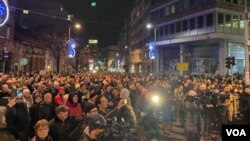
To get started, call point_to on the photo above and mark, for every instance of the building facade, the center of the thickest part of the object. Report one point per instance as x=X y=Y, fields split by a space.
x=139 y=37
x=19 y=35
x=201 y=33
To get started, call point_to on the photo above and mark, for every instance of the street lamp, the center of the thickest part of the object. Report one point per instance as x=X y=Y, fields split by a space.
x=152 y=47
x=76 y=26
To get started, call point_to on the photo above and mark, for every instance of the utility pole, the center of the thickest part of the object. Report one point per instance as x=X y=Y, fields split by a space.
x=246 y=44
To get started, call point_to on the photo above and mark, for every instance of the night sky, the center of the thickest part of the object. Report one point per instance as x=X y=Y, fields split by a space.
x=103 y=22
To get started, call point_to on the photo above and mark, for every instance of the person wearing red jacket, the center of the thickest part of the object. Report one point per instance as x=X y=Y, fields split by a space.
x=75 y=109
x=59 y=96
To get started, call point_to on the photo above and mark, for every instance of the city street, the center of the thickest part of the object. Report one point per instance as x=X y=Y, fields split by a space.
x=115 y=70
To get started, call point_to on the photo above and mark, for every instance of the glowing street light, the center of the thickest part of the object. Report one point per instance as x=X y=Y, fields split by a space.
x=78 y=26
x=155 y=98
x=149 y=26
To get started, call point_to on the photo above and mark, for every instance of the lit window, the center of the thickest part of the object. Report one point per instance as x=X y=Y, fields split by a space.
x=235 y=22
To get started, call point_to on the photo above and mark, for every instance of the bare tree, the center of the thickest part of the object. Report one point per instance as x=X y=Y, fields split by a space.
x=55 y=40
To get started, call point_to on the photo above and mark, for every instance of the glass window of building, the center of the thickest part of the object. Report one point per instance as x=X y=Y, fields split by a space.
x=172 y=9
x=228 y=20
x=178 y=27
x=192 y=24
x=161 y=30
x=220 y=19
x=184 y=25
x=166 y=11
x=172 y=28
x=235 y=1
x=179 y=6
x=161 y=13
x=200 y=22
x=242 y=23
x=235 y=21
x=192 y=3
x=166 y=29
x=209 y=20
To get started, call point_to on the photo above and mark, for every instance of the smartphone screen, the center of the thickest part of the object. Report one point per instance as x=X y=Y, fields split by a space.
x=19 y=93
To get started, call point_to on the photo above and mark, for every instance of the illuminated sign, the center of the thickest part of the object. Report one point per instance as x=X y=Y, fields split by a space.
x=152 y=52
x=4 y=12
x=72 y=53
x=93 y=41
x=72 y=45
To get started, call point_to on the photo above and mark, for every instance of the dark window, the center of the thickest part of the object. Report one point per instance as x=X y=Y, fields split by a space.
x=184 y=25
x=200 y=22
x=220 y=19
x=171 y=28
x=161 y=31
x=228 y=20
x=179 y=6
x=192 y=3
x=166 y=29
x=235 y=1
x=192 y=24
x=210 y=19
x=228 y=0
x=161 y=13
x=178 y=27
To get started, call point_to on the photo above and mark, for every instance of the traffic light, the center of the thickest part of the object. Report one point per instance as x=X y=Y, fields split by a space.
x=232 y=60
x=228 y=59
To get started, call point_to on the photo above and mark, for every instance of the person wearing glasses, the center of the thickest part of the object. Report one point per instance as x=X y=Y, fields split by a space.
x=42 y=131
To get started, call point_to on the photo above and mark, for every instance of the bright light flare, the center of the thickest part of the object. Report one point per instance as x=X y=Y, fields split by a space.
x=155 y=98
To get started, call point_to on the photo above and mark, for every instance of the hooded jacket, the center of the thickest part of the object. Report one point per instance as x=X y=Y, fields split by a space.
x=74 y=108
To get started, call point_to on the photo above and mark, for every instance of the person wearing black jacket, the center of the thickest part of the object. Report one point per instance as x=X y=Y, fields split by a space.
x=62 y=127
x=18 y=120
x=245 y=105
x=46 y=108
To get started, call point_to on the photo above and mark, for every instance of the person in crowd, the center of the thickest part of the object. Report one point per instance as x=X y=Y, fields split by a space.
x=42 y=131
x=74 y=107
x=102 y=105
x=146 y=119
x=34 y=111
x=18 y=120
x=5 y=134
x=96 y=125
x=62 y=125
x=46 y=107
x=59 y=97
x=193 y=117
x=27 y=98
x=5 y=92
x=245 y=105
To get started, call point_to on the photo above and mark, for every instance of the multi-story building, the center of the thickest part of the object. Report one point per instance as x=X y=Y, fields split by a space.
x=201 y=33
x=139 y=37
x=112 y=57
x=19 y=35
x=123 y=43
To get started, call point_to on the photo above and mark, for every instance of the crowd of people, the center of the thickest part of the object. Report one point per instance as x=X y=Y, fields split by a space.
x=81 y=106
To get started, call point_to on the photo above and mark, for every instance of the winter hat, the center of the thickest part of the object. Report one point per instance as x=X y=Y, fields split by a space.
x=88 y=107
